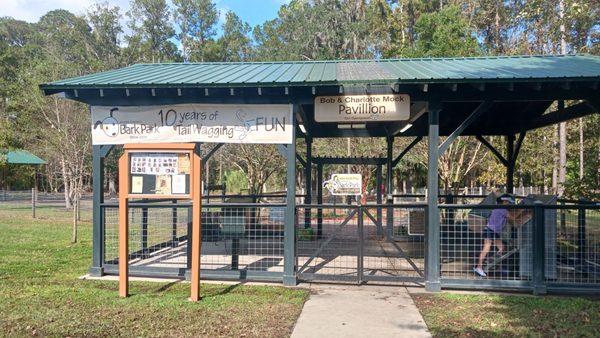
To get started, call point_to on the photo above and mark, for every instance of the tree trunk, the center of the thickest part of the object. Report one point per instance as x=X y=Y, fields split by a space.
x=74 y=230
x=66 y=183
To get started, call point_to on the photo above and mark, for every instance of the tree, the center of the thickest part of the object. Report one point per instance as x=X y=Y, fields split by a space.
x=235 y=43
x=259 y=162
x=63 y=46
x=443 y=34
x=106 y=30
x=152 y=31
x=196 y=20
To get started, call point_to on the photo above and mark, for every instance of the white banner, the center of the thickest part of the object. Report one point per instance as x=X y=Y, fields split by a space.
x=362 y=108
x=246 y=123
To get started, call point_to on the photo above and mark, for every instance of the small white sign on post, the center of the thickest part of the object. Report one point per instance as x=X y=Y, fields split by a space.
x=362 y=108
x=224 y=123
x=344 y=184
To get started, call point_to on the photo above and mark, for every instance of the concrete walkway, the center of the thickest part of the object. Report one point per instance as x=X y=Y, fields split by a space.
x=359 y=311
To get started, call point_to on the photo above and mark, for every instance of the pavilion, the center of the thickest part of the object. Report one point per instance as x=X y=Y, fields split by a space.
x=451 y=97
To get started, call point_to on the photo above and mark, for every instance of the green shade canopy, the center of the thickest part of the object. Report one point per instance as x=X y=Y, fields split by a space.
x=23 y=157
x=306 y=73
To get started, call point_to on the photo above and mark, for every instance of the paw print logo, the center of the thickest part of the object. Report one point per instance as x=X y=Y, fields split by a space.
x=110 y=125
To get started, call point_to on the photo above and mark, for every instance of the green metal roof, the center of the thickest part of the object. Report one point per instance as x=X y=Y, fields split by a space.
x=23 y=157
x=307 y=73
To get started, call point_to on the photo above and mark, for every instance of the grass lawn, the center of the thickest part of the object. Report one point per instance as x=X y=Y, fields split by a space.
x=460 y=315
x=40 y=293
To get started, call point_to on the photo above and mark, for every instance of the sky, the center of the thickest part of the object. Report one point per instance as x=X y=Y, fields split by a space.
x=252 y=11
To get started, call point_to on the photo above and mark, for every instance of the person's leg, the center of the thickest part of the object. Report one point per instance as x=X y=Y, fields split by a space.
x=498 y=243
x=487 y=245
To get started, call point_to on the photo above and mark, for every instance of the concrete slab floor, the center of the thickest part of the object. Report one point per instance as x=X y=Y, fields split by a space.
x=359 y=311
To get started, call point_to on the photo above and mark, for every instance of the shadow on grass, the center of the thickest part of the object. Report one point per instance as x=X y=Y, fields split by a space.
x=224 y=291
x=451 y=315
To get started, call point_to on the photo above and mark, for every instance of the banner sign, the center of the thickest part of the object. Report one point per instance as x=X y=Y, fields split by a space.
x=362 y=108
x=344 y=184
x=246 y=123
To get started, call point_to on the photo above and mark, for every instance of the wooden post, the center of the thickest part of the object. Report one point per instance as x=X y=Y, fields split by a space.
x=33 y=200
x=123 y=225
x=196 y=191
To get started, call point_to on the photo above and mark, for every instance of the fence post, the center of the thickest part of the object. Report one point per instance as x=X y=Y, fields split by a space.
x=33 y=202
x=432 y=238
x=144 y=232
x=289 y=231
x=581 y=231
x=539 y=250
x=360 y=253
x=174 y=224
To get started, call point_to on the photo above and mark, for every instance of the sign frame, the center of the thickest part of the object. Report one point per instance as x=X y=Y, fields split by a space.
x=194 y=195
x=362 y=108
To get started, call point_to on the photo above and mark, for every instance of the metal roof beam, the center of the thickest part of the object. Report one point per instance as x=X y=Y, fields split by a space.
x=406 y=150
x=301 y=160
x=492 y=149
x=571 y=112
x=212 y=151
x=482 y=108
x=349 y=160
x=417 y=109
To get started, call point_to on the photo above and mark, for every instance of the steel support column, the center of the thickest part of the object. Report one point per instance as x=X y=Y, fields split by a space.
x=388 y=187
x=319 y=200
x=308 y=182
x=289 y=237
x=98 y=154
x=510 y=166
x=432 y=240
x=539 y=250
x=379 y=192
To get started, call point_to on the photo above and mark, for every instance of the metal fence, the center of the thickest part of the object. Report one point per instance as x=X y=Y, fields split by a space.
x=542 y=247
x=238 y=240
x=360 y=243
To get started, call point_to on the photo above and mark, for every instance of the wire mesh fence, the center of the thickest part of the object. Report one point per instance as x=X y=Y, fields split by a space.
x=490 y=242
x=157 y=236
x=243 y=237
x=568 y=242
x=235 y=237
x=359 y=244
x=371 y=243
x=576 y=253
x=327 y=243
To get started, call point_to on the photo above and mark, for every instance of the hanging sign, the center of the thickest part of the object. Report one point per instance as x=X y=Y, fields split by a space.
x=344 y=184
x=247 y=123
x=362 y=108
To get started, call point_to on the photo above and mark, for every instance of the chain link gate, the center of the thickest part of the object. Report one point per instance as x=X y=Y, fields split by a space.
x=351 y=244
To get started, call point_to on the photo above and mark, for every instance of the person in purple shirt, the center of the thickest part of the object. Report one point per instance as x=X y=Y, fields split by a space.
x=492 y=232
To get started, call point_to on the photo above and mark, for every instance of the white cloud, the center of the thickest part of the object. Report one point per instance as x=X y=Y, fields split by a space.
x=32 y=10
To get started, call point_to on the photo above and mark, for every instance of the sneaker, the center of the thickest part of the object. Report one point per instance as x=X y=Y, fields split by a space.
x=479 y=271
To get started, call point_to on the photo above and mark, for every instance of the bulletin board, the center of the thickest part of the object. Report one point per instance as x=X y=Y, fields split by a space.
x=159 y=173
